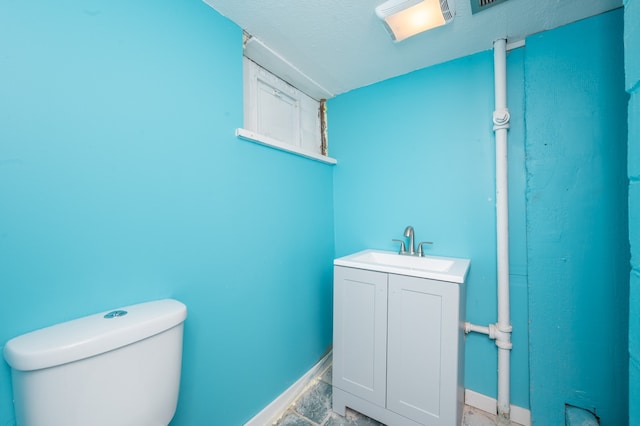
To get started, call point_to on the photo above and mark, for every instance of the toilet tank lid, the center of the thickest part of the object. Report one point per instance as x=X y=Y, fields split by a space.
x=92 y=335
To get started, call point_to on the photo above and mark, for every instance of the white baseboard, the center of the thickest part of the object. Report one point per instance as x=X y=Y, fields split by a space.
x=490 y=405
x=279 y=405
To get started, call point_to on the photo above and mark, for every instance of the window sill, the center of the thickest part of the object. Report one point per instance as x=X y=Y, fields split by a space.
x=274 y=143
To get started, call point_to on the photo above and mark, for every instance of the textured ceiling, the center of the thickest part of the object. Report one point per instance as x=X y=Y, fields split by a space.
x=341 y=45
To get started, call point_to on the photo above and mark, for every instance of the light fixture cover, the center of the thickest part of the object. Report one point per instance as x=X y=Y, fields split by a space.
x=405 y=18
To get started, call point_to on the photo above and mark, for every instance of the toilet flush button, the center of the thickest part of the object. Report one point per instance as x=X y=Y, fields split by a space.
x=114 y=314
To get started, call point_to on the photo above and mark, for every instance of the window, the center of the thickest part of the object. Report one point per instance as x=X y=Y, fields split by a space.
x=279 y=115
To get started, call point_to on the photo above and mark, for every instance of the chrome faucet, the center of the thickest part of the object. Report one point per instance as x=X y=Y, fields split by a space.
x=410 y=249
x=408 y=233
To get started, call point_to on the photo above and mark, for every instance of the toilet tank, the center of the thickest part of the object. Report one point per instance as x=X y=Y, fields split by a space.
x=120 y=367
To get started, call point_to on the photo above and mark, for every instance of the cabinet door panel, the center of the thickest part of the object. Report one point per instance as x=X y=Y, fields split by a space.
x=422 y=354
x=360 y=333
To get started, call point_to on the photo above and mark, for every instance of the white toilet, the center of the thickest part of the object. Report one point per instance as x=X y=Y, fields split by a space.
x=114 y=368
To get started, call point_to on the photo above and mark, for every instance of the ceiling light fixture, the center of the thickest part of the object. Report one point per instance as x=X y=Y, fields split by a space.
x=405 y=18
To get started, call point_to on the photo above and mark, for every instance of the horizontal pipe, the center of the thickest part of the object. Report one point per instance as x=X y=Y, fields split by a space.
x=468 y=328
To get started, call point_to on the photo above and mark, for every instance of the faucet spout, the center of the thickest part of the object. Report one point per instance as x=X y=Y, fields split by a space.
x=408 y=233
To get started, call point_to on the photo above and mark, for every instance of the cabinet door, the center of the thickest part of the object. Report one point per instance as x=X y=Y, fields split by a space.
x=423 y=349
x=360 y=333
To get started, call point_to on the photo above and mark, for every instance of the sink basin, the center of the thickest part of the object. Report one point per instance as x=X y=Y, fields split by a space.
x=411 y=262
x=433 y=267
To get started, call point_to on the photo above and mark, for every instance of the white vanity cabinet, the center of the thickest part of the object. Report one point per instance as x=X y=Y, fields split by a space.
x=398 y=347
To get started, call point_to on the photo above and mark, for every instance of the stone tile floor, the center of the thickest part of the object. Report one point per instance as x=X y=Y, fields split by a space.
x=313 y=408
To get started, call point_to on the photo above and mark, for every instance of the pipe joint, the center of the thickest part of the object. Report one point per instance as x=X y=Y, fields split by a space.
x=504 y=345
x=502 y=335
x=501 y=118
x=504 y=328
x=498 y=332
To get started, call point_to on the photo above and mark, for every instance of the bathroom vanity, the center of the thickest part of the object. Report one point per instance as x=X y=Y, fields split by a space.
x=398 y=353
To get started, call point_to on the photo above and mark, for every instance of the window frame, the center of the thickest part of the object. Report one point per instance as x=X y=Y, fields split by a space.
x=306 y=136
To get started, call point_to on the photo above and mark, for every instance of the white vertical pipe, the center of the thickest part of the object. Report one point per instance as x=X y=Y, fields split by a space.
x=501 y=125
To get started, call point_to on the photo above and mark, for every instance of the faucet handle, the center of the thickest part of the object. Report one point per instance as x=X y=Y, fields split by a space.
x=420 y=252
x=403 y=249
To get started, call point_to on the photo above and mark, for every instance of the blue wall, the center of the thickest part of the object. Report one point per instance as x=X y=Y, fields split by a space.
x=632 y=73
x=419 y=150
x=577 y=221
x=121 y=181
